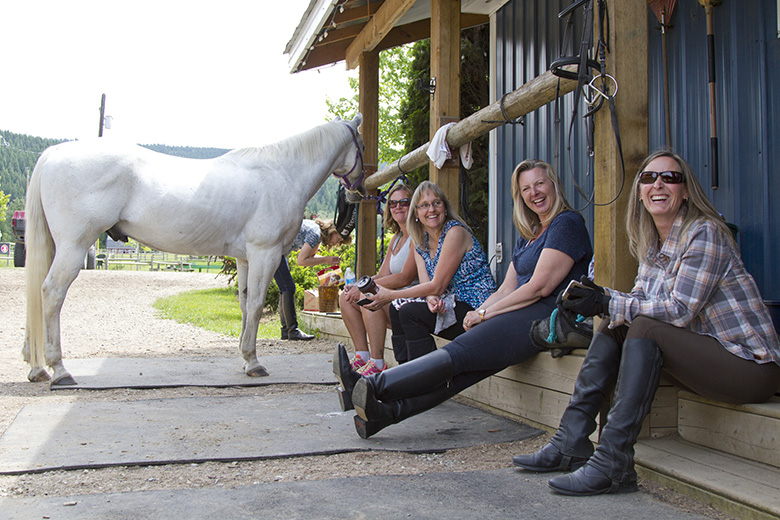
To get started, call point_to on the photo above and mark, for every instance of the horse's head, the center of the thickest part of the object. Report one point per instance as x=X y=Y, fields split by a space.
x=352 y=173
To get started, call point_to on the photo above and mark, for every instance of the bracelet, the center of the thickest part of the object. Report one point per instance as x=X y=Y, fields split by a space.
x=481 y=313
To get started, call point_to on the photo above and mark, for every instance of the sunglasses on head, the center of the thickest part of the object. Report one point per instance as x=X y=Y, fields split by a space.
x=404 y=203
x=669 y=177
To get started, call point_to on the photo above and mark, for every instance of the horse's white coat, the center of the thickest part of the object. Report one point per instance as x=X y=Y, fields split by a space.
x=247 y=204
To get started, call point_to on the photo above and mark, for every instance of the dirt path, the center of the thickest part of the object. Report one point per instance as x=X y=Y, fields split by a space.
x=110 y=314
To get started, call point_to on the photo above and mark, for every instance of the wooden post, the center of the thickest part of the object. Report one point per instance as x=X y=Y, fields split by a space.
x=445 y=101
x=627 y=63
x=368 y=96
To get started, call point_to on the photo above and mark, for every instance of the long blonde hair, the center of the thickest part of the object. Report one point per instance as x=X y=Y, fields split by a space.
x=387 y=219
x=526 y=221
x=640 y=228
x=414 y=226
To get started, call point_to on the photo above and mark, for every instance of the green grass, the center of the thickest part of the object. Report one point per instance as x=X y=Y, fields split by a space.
x=215 y=310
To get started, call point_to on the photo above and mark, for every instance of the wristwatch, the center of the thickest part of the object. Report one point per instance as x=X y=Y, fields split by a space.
x=481 y=313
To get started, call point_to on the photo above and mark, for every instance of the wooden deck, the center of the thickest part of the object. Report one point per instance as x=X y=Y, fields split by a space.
x=725 y=455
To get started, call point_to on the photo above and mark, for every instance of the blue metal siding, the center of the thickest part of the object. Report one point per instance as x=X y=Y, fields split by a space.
x=529 y=37
x=747 y=60
x=747 y=75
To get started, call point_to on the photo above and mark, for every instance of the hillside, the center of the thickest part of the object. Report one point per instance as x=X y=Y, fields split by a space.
x=19 y=153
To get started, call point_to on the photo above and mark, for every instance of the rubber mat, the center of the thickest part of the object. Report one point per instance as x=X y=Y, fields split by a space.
x=106 y=373
x=160 y=431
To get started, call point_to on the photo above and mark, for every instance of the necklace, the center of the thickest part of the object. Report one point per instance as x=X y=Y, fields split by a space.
x=399 y=243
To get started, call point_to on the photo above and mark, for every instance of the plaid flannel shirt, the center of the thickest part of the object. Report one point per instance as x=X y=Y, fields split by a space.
x=698 y=282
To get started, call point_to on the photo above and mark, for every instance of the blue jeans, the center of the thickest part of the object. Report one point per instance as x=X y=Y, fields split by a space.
x=283 y=277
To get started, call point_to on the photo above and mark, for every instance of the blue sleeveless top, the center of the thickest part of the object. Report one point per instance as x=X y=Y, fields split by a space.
x=472 y=282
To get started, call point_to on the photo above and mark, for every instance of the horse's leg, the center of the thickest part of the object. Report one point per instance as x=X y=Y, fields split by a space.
x=36 y=375
x=66 y=266
x=242 y=269
x=262 y=264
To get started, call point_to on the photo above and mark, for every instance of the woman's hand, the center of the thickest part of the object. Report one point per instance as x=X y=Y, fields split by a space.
x=351 y=294
x=331 y=260
x=471 y=319
x=436 y=304
x=380 y=299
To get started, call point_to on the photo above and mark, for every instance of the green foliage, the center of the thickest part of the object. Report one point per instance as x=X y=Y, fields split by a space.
x=475 y=95
x=18 y=155
x=394 y=67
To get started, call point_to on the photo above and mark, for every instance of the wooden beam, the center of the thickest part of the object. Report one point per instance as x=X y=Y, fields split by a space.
x=368 y=101
x=343 y=33
x=626 y=62
x=377 y=28
x=445 y=101
x=416 y=31
x=325 y=55
x=529 y=97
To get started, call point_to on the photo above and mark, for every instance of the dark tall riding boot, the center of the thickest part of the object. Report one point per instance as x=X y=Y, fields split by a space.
x=399 y=348
x=570 y=447
x=419 y=347
x=611 y=468
x=342 y=369
x=287 y=304
x=401 y=392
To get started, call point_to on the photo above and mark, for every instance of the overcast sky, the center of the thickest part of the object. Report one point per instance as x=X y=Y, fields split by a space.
x=184 y=73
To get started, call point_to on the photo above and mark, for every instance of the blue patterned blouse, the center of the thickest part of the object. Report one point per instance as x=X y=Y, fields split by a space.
x=472 y=282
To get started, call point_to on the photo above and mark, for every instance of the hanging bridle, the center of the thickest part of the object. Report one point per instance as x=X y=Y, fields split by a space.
x=358 y=157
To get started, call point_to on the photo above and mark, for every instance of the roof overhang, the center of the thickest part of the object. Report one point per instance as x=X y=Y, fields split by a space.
x=340 y=30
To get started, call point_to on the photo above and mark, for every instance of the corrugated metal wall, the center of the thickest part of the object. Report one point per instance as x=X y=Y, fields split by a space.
x=528 y=38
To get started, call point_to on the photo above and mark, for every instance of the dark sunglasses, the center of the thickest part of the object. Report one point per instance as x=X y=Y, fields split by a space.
x=667 y=177
x=404 y=203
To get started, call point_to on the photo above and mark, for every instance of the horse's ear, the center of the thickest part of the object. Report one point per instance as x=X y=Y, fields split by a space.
x=358 y=119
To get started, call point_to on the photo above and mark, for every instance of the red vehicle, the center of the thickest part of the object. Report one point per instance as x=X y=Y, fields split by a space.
x=17 y=224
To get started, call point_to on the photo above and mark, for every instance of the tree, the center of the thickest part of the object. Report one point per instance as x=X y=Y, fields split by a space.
x=415 y=113
x=394 y=68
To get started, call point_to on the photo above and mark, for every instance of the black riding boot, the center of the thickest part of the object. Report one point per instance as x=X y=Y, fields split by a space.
x=611 y=468
x=570 y=447
x=287 y=304
x=399 y=348
x=401 y=392
x=419 y=347
x=342 y=369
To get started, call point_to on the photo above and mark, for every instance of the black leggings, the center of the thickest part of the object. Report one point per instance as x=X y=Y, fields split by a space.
x=495 y=344
x=701 y=364
x=416 y=322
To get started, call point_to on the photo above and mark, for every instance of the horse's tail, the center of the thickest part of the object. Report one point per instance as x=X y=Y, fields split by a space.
x=40 y=254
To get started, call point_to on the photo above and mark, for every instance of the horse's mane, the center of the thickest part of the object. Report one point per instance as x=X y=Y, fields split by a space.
x=308 y=145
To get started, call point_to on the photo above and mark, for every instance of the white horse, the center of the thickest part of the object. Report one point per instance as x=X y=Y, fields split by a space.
x=248 y=204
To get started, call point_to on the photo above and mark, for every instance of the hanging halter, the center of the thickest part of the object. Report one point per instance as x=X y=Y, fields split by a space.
x=358 y=157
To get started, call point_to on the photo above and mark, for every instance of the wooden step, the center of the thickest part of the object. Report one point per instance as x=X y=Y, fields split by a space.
x=751 y=431
x=738 y=487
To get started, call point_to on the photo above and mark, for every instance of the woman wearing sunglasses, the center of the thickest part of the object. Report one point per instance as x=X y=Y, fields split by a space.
x=368 y=328
x=694 y=312
x=553 y=249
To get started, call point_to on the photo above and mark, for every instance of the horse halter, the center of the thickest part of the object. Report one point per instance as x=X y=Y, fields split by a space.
x=358 y=157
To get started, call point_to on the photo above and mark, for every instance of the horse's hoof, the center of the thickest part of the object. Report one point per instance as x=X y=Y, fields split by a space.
x=66 y=380
x=38 y=375
x=258 y=371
